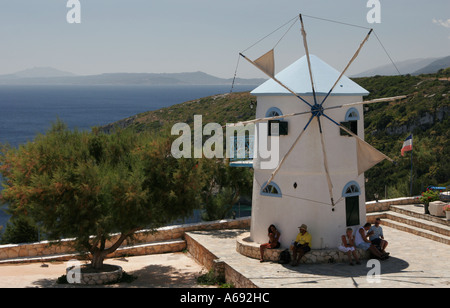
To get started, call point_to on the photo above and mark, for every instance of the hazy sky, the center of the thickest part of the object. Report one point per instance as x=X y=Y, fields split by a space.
x=207 y=35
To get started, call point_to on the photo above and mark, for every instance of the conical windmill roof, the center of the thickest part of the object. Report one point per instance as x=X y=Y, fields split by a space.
x=296 y=77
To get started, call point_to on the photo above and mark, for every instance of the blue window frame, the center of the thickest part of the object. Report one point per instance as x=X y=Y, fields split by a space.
x=272 y=190
x=273 y=112
x=351 y=189
x=351 y=122
x=352 y=115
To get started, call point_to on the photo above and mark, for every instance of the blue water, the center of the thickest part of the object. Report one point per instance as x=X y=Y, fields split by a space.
x=28 y=110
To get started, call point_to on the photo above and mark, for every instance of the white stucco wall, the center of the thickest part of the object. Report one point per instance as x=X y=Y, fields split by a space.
x=309 y=203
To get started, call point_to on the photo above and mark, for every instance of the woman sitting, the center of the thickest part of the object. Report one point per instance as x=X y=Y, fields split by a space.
x=274 y=237
x=348 y=246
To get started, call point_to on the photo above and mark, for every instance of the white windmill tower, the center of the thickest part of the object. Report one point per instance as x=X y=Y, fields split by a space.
x=319 y=180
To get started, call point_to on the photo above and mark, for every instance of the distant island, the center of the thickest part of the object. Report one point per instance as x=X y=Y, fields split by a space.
x=52 y=76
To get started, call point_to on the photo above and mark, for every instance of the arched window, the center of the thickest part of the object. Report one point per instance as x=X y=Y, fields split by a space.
x=271 y=190
x=351 y=122
x=352 y=115
x=351 y=193
x=282 y=125
x=351 y=189
x=273 y=112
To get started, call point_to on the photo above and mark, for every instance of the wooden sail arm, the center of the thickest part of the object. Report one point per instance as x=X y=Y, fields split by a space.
x=276 y=80
x=348 y=65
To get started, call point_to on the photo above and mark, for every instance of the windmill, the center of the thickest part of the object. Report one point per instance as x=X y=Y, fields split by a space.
x=320 y=171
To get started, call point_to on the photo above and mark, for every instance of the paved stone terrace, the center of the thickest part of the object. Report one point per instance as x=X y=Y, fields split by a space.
x=415 y=262
x=168 y=270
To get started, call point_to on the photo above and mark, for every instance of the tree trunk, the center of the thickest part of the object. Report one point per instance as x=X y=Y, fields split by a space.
x=99 y=253
x=97 y=260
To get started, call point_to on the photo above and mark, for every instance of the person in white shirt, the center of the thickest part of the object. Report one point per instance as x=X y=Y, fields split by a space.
x=362 y=242
x=376 y=236
x=347 y=246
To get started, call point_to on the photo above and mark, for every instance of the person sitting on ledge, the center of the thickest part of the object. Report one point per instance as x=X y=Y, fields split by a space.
x=376 y=236
x=347 y=246
x=274 y=237
x=302 y=245
x=362 y=242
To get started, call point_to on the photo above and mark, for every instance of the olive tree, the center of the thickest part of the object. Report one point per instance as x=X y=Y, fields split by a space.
x=88 y=185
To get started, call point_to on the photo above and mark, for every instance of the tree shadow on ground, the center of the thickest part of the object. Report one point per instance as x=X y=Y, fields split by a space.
x=151 y=276
x=163 y=276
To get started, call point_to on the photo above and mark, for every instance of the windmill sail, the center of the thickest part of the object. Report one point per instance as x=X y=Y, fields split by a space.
x=303 y=69
x=275 y=79
x=315 y=113
x=367 y=156
x=266 y=63
x=305 y=43
x=313 y=156
x=325 y=164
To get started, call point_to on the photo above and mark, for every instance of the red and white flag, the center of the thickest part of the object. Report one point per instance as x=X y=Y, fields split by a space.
x=407 y=145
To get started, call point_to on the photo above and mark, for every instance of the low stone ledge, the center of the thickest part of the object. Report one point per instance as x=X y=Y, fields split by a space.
x=371 y=217
x=384 y=205
x=31 y=251
x=245 y=246
x=150 y=248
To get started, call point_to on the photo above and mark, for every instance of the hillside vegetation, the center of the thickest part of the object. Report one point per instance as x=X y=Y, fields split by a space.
x=424 y=114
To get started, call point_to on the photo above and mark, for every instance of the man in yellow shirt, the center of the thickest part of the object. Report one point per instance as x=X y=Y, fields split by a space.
x=301 y=245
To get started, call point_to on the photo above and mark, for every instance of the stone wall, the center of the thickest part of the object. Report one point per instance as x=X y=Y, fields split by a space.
x=212 y=262
x=163 y=240
x=384 y=205
x=202 y=255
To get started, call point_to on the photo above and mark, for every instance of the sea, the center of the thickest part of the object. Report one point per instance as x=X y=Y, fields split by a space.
x=26 y=111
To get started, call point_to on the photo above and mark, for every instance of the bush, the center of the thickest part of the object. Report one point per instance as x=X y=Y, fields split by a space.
x=213 y=279
x=19 y=230
x=429 y=196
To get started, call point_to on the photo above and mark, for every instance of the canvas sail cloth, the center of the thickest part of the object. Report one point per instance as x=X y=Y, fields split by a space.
x=266 y=63
x=367 y=156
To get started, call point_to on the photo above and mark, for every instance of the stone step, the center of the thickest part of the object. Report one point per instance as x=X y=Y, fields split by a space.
x=417 y=211
x=42 y=259
x=438 y=237
x=420 y=223
x=150 y=248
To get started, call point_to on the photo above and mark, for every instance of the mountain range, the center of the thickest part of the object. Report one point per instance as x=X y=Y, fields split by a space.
x=413 y=67
x=52 y=76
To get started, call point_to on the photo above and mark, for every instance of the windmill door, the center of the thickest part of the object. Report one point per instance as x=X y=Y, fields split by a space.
x=352 y=210
x=351 y=194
